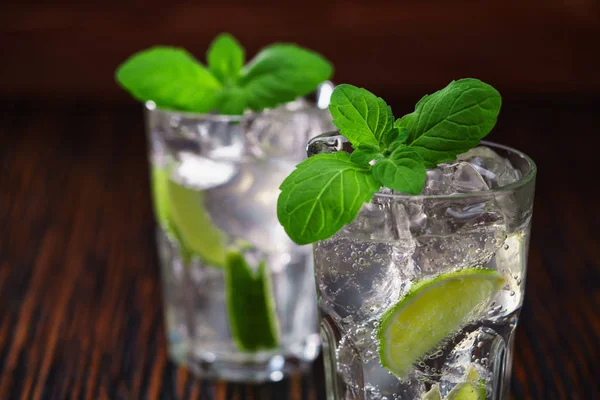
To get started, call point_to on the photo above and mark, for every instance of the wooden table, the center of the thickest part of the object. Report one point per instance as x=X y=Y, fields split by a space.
x=80 y=296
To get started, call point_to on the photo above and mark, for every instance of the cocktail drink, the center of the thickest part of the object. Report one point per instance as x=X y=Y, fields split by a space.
x=239 y=295
x=423 y=292
x=419 y=292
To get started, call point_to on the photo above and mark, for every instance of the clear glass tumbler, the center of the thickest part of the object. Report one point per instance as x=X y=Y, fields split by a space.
x=419 y=296
x=239 y=296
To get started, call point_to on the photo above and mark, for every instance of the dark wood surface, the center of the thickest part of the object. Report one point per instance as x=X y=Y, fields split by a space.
x=80 y=296
x=60 y=48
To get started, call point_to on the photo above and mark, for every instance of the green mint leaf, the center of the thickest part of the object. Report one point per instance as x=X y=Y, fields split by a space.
x=363 y=156
x=402 y=134
x=232 y=101
x=171 y=78
x=361 y=117
x=324 y=193
x=390 y=137
x=225 y=58
x=402 y=171
x=405 y=122
x=281 y=73
x=452 y=120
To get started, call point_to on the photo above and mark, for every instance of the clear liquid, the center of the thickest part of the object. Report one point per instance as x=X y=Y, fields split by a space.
x=243 y=208
x=358 y=280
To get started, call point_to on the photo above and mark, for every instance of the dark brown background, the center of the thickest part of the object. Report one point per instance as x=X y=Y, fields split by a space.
x=80 y=301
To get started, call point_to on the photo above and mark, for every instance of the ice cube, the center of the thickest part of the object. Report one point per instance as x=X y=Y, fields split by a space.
x=453 y=178
x=329 y=142
x=211 y=136
x=497 y=171
x=475 y=357
x=457 y=233
x=202 y=173
x=285 y=130
x=359 y=278
x=246 y=206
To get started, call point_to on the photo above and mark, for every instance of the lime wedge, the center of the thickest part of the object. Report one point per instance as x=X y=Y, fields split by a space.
x=471 y=389
x=430 y=311
x=250 y=305
x=433 y=394
x=180 y=211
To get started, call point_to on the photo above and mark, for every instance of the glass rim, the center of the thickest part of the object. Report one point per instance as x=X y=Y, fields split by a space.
x=524 y=180
x=150 y=106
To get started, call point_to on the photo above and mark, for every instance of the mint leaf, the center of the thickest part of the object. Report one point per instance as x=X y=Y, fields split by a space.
x=452 y=120
x=324 y=193
x=402 y=134
x=282 y=73
x=402 y=171
x=231 y=101
x=225 y=58
x=360 y=116
x=363 y=156
x=171 y=78
x=390 y=137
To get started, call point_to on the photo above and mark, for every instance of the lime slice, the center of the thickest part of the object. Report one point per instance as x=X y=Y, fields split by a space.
x=433 y=394
x=250 y=305
x=430 y=311
x=180 y=210
x=471 y=389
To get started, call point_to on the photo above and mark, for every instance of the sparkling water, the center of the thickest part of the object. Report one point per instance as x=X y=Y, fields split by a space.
x=396 y=241
x=234 y=166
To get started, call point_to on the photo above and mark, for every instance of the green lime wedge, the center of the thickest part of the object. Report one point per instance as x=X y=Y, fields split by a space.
x=194 y=226
x=250 y=305
x=180 y=210
x=471 y=389
x=430 y=311
x=433 y=394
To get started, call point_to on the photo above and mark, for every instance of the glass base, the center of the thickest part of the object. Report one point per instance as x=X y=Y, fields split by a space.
x=272 y=369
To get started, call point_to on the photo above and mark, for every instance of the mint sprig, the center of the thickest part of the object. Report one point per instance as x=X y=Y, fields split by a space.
x=327 y=191
x=174 y=79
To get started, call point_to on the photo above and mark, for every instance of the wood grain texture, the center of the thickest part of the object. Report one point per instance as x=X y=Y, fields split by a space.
x=60 y=48
x=80 y=297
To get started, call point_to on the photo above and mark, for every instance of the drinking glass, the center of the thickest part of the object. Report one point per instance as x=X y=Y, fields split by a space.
x=429 y=285
x=239 y=295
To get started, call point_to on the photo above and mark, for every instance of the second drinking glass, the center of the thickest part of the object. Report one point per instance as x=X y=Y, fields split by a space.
x=239 y=294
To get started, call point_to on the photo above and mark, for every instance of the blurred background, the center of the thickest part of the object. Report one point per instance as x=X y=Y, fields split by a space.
x=62 y=50
x=80 y=303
